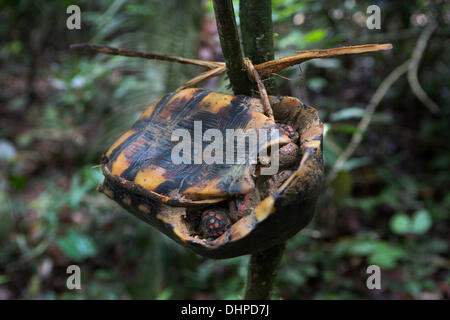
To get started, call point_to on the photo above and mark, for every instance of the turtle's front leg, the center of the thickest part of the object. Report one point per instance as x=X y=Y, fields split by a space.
x=243 y=205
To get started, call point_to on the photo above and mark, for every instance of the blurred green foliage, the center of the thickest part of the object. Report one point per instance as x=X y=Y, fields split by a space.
x=61 y=109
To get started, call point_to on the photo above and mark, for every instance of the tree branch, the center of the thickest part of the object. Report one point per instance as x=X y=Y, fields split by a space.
x=366 y=119
x=408 y=66
x=253 y=74
x=257 y=34
x=202 y=76
x=283 y=63
x=413 y=79
x=145 y=55
x=262 y=273
x=217 y=68
x=231 y=47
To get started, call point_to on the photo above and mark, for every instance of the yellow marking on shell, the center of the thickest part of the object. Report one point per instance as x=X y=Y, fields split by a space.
x=290 y=101
x=120 y=165
x=187 y=92
x=179 y=234
x=144 y=208
x=312 y=133
x=265 y=208
x=127 y=200
x=241 y=228
x=202 y=191
x=172 y=106
x=148 y=112
x=312 y=144
x=251 y=125
x=162 y=218
x=119 y=141
x=214 y=102
x=150 y=177
x=211 y=189
x=259 y=120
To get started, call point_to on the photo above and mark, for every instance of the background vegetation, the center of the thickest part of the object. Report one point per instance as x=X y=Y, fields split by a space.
x=60 y=109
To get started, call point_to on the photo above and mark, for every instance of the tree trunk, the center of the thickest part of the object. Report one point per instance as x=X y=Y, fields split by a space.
x=262 y=273
x=257 y=38
x=231 y=47
x=257 y=33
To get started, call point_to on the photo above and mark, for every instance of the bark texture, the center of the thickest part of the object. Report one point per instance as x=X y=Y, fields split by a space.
x=231 y=47
x=257 y=37
x=257 y=34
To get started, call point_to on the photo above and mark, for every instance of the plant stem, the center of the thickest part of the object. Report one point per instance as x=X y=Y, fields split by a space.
x=231 y=47
x=257 y=37
x=145 y=55
x=257 y=34
x=262 y=273
x=283 y=63
x=217 y=68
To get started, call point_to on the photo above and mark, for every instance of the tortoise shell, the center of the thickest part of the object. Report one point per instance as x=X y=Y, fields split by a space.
x=143 y=155
x=141 y=176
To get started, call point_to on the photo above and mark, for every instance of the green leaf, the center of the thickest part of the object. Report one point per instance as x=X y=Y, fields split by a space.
x=363 y=248
x=355 y=163
x=165 y=294
x=346 y=128
x=18 y=182
x=347 y=113
x=421 y=222
x=293 y=39
x=77 y=246
x=315 y=36
x=316 y=83
x=83 y=182
x=16 y=47
x=400 y=223
x=384 y=259
x=377 y=252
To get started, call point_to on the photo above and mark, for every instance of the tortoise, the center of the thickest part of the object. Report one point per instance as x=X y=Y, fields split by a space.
x=219 y=209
